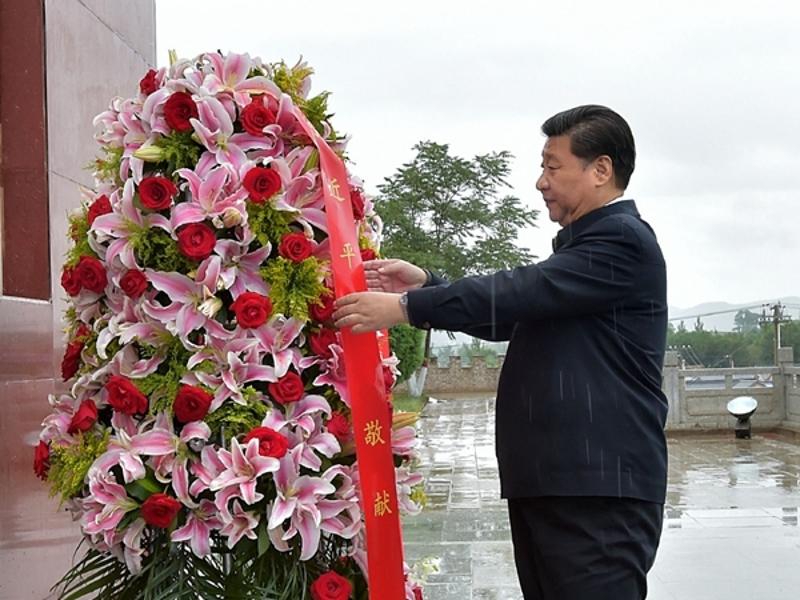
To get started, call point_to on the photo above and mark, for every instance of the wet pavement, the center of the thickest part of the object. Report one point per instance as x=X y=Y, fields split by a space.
x=730 y=529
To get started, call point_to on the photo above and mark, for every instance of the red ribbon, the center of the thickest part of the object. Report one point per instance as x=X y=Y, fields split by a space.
x=369 y=405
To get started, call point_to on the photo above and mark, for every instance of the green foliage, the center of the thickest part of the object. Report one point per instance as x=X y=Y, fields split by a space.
x=754 y=347
x=293 y=285
x=408 y=343
x=237 y=419
x=268 y=223
x=107 y=168
x=291 y=79
x=161 y=387
x=155 y=249
x=180 y=150
x=316 y=109
x=79 y=232
x=70 y=464
x=170 y=571
x=445 y=213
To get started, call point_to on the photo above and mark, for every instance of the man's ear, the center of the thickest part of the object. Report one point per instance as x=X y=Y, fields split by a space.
x=603 y=170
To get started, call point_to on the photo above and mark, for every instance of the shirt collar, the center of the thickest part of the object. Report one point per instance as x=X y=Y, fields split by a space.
x=617 y=206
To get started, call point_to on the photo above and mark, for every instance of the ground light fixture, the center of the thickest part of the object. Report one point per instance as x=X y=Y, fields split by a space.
x=743 y=408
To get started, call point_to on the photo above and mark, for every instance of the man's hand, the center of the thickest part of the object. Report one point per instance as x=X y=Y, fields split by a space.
x=393 y=276
x=368 y=311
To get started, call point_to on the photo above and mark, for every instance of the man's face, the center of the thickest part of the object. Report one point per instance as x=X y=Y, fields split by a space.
x=566 y=183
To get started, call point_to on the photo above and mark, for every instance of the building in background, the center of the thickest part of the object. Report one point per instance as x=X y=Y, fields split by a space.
x=61 y=61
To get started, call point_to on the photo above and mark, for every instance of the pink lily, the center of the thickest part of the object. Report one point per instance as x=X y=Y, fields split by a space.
x=208 y=198
x=198 y=527
x=239 y=524
x=186 y=311
x=406 y=481
x=133 y=551
x=303 y=427
x=126 y=451
x=105 y=506
x=297 y=499
x=341 y=515
x=333 y=373
x=276 y=337
x=120 y=226
x=240 y=268
x=243 y=466
x=214 y=128
x=234 y=371
x=230 y=74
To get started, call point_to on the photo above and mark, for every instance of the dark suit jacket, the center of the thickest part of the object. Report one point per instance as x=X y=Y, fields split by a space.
x=580 y=411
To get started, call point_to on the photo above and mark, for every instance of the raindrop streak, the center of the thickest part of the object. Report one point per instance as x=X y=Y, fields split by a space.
x=561 y=383
x=530 y=408
x=611 y=264
x=619 y=476
x=589 y=398
x=588 y=454
x=602 y=467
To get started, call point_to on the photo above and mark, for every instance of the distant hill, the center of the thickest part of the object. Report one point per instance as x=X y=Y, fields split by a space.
x=720 y=316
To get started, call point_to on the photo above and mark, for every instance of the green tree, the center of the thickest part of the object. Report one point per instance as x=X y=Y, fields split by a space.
x=449 y=214
x=745 y=321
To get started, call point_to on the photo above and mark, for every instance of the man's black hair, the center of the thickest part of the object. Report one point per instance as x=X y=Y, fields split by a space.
x=594 y=131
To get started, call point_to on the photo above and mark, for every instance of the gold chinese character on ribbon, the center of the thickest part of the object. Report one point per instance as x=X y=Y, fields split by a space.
x=372 y=433
x=348 y=254
x=333 y=190
x=382 y=504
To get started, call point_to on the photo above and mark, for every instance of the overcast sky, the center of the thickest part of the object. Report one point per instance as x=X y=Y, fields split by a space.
x=710 y=89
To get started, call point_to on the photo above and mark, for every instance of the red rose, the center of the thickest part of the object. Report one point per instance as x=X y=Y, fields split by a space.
x=196 y=241
x=159 y=510
x=368 y=254
x=331 y=586
x=270 y=442
x=191 y=403
x=288 y=388
x=147 y=84
x=41 y=460
x=262 y=183
x=178 y=109
x=84 y=417
x=339 y=427
x=72 y=360
x=256 y=116
x=125 y=397
x=133 y=283
x=295 y=246
x=101 y=206
x=388 y=379
x=82 y=332
x=418 y=593
x=70 y=281
x=92 y=274
x=357 y=202
x=324 y=311
x=156 y=193
x=252 y=309
x=321 y=342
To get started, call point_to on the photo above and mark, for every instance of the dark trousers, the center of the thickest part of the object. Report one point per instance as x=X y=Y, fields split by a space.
x=584 y=548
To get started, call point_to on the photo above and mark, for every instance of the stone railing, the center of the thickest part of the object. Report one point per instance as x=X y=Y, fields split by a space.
x=793 y=396
x=697 y=397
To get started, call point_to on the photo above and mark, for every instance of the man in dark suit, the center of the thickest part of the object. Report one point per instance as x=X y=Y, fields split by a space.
x=580 y=412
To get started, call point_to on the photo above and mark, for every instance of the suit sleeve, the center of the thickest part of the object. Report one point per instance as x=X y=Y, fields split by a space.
x=593 y=274
x=491 y=332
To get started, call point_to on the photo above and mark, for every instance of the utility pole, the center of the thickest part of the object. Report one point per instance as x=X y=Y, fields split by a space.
x=773 y=313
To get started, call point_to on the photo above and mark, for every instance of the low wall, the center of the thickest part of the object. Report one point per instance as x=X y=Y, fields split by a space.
x=697 y=397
